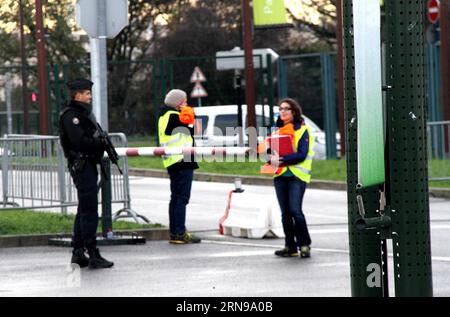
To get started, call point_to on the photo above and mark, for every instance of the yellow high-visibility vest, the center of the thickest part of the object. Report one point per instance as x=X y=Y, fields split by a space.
x=301 y=170
x=172 y=141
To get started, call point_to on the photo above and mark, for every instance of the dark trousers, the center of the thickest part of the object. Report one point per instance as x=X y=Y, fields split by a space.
x=290 y=191
x=86 y=220
x=180 y=192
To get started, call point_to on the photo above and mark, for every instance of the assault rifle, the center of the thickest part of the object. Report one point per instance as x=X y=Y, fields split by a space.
x=112 y=153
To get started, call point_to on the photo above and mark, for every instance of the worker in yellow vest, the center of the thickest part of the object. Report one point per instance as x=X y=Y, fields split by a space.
x=176 y=129
x=292 y=174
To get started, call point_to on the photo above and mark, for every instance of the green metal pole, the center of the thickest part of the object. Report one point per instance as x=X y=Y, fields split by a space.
x=106 y=198
x=154 y=102
x=365 y=246
x=171 y=62
x=270 y=92
x=19 y=124
x=332 y=107
x=329 y=101
x=163 y=91
x=282 y=78
x=65 y=80
x=340 y=76
x=162 y=80
x=431 y=80
x=407 y=143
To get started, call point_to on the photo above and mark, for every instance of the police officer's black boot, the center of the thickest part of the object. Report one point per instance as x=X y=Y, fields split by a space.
x=96 y=261
x=78 y=257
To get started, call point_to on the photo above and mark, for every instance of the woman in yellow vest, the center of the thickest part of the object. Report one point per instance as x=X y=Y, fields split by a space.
x=176 y=129
x=291 y=179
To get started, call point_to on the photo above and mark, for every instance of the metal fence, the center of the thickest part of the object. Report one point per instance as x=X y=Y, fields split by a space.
x=35 y=175
x=438 y=150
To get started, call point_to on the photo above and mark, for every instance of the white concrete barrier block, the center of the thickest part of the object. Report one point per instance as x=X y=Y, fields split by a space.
x=253 y=216
x=275 y=219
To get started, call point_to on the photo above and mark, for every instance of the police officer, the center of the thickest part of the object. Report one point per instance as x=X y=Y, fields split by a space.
x=83 y=149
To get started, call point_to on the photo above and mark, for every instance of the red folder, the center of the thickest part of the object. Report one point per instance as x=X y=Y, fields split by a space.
x=280 y=144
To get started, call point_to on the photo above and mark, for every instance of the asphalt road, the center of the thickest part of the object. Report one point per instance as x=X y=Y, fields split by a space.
x=219 y=266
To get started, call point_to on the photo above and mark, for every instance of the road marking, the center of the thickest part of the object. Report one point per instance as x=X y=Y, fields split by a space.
x=434 y=258
x=242 y=244
x=322 y=231
x=440 y=227
x=441 y=258
x=162 y=201
x=324 y=216
x=333 y=264
x=159 y=201
x=240 y=253
x=317 y=231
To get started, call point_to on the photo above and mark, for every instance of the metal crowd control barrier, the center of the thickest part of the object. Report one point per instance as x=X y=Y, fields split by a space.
x=438 y=150
x=35 y=176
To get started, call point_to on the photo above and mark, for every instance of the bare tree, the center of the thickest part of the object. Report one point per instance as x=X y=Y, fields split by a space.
x=320 y=19
x=61 y=45
x=133 y=85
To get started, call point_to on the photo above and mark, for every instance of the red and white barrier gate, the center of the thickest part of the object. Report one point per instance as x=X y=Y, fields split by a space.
x=204 y=151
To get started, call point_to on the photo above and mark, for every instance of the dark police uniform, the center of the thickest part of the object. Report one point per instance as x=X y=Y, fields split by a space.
x=83 y=149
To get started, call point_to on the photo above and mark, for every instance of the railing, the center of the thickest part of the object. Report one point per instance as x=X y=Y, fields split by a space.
x=35 y=175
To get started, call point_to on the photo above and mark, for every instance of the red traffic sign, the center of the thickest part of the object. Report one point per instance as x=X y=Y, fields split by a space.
x=197 y=76
x=198 y=91
x=433 y=11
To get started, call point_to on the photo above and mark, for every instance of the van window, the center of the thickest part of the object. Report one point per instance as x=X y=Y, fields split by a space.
x=223 y=122
x=260 y=122
x=201 y=123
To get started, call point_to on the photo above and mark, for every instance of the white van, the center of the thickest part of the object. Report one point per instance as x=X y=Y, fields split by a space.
x=212 y=123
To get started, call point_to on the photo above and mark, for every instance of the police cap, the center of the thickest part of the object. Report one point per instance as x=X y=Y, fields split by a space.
x=80 y=84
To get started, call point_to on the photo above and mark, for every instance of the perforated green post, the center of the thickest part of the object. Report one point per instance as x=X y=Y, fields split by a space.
x=365 y=246
x=408 y=193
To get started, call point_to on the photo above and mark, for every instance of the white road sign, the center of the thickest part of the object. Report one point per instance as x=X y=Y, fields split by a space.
x=197 y=76
x=234 y=59
x=102 y=18
x=198 y=91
